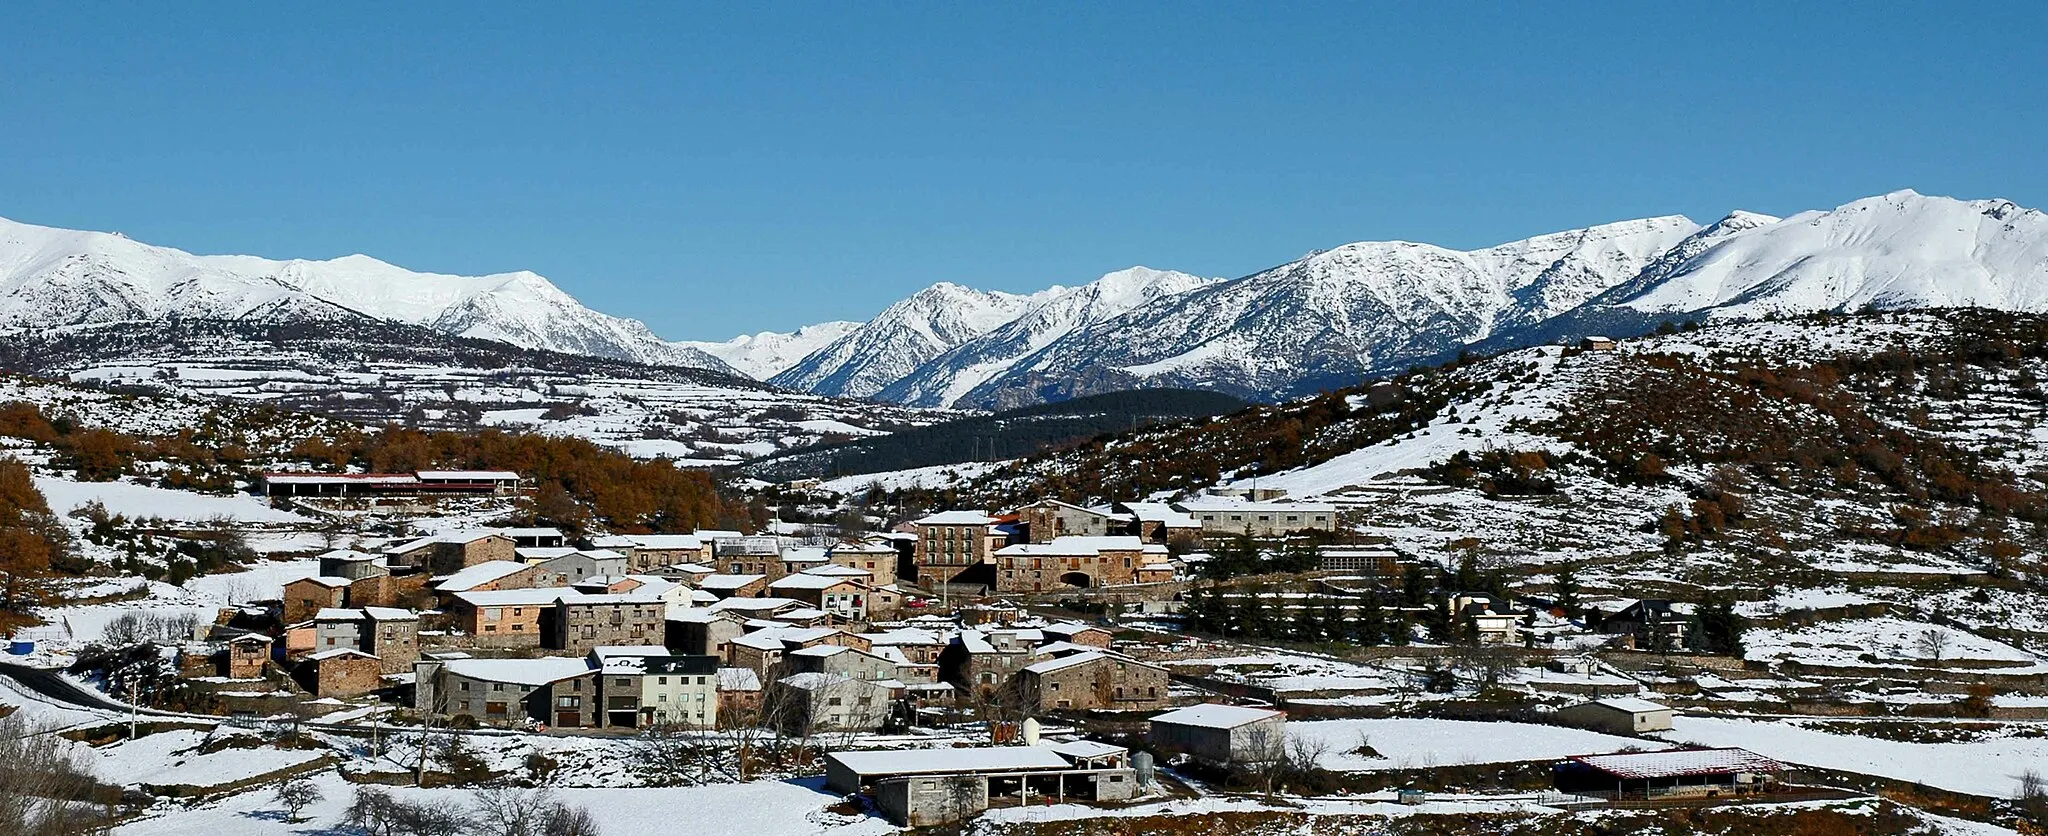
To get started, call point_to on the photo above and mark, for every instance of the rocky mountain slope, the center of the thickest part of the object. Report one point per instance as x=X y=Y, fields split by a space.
x=58 y=277
x=1337 y=316
x=904 y=335
x=945 y=379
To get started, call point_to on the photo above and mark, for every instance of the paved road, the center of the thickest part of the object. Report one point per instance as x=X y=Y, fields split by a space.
x=49 y=684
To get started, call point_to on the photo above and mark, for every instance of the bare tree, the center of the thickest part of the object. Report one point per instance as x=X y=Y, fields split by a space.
x=1932 y=643
x=295 y=795
x=376 y=812
x=43 y=788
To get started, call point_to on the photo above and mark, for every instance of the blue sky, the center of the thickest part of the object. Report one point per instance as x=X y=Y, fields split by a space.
x=714 y=170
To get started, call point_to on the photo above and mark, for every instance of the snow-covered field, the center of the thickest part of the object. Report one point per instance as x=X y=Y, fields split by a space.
x=1984 y=767
x=760 y=808
x=1883 y=640
x=145 y=502
x=1411 y=743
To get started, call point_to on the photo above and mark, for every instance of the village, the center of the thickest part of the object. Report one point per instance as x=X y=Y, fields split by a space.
x=954 y=662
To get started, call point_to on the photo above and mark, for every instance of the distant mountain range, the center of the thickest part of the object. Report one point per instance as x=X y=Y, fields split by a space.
x=52 y=278
x=1322 y=321
x=1336 y=316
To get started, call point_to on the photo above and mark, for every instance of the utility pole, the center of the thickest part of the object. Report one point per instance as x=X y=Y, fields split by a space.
x=133 y=710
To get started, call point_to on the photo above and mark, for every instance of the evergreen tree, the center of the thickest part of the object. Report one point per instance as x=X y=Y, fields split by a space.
x=1334 y=624
x=1306 y=623
x=1564 y=590
x=1371 y=627
x=1414 y=587
x=1720 y=629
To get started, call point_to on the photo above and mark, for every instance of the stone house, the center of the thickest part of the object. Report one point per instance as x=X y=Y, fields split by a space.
x=305 y=597
x=647 y=552
x=392 y=635
x=351 y=564
x=1069 y=563
x=734 y=586
x=807 y=703
x=490 y=575
x=841 y=661
x=337 y=628
x=950 y=543
x=878 y=559
x=1050 y=519
x=449 y=553
x=977 y=660
x=646 y=686
x=844 y=598
x=1093 y=681
x=739 y=697
x=559 y=691
x=245 y=655
x=748 y=556
x=341 y=672
x=701 y=632
x=504 y=618
x=1078 y=633
x=573 y=566
x=586 y=621
x=1160 y=523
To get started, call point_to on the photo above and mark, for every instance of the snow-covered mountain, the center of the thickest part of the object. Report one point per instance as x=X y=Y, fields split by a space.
x=944 y=379
x=59 y=277
x=1334 y=315
x=903 y=336
x=1895 y=251
x=767 y=354
x=1367 y=308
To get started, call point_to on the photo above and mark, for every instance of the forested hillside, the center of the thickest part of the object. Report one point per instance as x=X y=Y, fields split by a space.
x=1007 y=434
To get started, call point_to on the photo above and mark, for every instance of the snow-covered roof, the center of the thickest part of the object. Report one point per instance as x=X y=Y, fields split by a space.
x=728 y=581
x=804 y=554
x=738 y=679
x=349 y=555
x=695 y=568
x=755 y=605
x=655 y=542
x=1216 y=715
x=885 y=763
x=1063 y=662
x=338 y=614
x=811 y=681
x=905 y=636
x=337 y=652
x=834 y=570
x=1632 y=705
x=340 y=478
x=534 y=672
x=480 y=574
x=865 y=547
x=327 y=580
x=1224 y=503
x=1166 y=515
x=759 y=641
x=809 y=581
x=823 y=650
x=801 y=614
x=390 y=614
x=531 y=531
x=1069 y=628
x=1074 y=546
x=1086 y=749
x=1680 y=762
x=956 y=518
x=537 y=553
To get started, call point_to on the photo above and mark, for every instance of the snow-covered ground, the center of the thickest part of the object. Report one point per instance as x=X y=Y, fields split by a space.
x=1413 y=742
x=1882 y=641
x=144 y=502
x=1983 y=767
x=936 y=476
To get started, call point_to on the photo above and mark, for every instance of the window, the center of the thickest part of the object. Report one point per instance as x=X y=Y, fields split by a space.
x=497 y=686
x=568 y=702
x=465 y=685
x=661 y=680
x=832 y=701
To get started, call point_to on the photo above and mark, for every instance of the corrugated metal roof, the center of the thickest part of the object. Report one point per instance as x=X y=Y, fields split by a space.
x=1676 y=763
